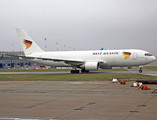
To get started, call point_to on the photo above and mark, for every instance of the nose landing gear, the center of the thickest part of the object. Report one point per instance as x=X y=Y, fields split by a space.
x=140 y=71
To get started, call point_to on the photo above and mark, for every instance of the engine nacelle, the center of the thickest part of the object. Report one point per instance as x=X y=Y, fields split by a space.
x=91 y=65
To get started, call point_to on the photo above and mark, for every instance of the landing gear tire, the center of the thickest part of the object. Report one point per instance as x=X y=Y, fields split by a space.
x=74 y=71
x=77 y=71
x=140 y=71
x=84 y=71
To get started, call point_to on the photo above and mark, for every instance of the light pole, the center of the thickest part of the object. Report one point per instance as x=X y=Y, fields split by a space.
x=13 y=47
x=45 y=44
x=64 y=47
x=57 y=45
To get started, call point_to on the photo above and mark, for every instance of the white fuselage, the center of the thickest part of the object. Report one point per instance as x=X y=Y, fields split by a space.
x=106 y=58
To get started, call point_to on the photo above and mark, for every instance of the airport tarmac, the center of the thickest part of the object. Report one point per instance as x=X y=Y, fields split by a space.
x=80 y=100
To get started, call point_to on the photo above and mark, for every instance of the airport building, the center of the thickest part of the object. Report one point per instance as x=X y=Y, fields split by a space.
x=9 y=62
x=13 y=62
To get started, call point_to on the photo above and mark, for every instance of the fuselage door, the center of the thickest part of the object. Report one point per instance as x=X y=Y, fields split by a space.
x=134 y=56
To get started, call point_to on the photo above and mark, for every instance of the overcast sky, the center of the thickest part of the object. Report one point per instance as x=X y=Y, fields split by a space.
x=80 y=24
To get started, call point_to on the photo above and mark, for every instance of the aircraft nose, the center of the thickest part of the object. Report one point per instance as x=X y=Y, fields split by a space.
x=153 y=58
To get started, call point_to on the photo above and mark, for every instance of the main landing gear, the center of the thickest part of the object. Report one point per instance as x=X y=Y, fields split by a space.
x=77 y=71
x=74 y=71
x=84 y=71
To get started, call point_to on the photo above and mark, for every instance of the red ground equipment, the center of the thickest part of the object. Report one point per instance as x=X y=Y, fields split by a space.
x=144 y=87
x=122 y=82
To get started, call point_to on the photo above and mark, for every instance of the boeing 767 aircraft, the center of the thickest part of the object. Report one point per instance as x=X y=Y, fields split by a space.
x=84 y=60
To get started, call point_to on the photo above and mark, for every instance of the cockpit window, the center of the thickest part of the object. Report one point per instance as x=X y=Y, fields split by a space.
x=148 y=54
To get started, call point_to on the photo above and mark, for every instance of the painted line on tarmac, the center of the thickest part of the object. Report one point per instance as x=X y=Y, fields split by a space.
x=24 y=119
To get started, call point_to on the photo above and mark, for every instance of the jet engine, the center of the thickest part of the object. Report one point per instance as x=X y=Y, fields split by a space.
x=91 y=65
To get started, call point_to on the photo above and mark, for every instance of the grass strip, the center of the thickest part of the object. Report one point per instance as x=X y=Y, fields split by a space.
x=73 y=77
x=151 y=67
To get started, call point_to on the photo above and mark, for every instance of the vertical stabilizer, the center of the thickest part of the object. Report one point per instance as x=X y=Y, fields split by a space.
x=28 y=45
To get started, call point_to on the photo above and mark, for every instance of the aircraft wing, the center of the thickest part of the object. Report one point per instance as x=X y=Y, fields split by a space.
x=65 y=60
x=73 y=62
